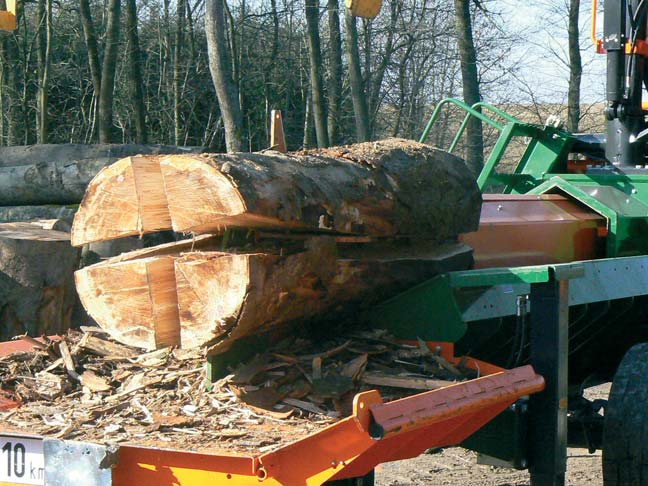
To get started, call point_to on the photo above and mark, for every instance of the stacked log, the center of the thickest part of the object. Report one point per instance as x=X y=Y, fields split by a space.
x=321 y=235
x=37 y=265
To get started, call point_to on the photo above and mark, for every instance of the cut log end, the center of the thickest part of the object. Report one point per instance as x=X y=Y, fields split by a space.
x=200 y=197
x=124 y=199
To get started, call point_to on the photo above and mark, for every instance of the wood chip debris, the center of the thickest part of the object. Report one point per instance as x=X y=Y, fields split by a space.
x=87 y=387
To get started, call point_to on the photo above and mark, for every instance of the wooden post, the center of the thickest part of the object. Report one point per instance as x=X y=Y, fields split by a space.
x=277 y=139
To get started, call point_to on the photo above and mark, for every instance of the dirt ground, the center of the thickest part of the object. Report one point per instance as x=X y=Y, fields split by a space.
x=456 y=466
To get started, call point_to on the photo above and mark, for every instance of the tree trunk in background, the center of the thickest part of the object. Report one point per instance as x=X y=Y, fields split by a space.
x=177 y=75
x=135 y=79
x=43 y=41
x=106 y=94
x=575 y=67
x=308 y=139
x=335 y=72
x=317 y=86
x=221 y=72
x=90 y=37
x=11 y=93
x=470 y=78
x=377 y=78
x=358 y=94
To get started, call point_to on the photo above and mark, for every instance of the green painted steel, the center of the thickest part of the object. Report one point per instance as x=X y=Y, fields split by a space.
x=440 y=309
x=546 y=149
x=428 y=311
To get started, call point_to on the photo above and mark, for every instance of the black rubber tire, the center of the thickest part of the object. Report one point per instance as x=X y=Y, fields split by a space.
x=625 y=430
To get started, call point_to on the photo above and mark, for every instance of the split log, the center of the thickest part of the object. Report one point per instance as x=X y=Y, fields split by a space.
x=59 y=174
x=177 y=295
x=387 y=188
x=37 y=293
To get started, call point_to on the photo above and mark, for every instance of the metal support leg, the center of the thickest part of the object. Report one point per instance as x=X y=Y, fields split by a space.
x=548 y=409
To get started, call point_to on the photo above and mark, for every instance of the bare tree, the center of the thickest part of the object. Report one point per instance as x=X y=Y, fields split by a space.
x=358 y=94
x=108 y=68
x=575 y=67
x=335 y=72
x=317 y=85
x=469 y=76
x=135 y=72
x=226 y=90
x=44 y=43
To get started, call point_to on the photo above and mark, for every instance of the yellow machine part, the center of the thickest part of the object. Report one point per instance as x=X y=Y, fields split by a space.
x=8 y=17
x=364 y=8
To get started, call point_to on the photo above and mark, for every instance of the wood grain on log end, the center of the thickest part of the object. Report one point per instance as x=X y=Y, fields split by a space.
x=200 y=197
x=134 y=300
x=211 y=288
x=124 y=199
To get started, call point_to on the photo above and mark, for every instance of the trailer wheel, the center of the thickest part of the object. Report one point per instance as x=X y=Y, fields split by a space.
x=625 y=429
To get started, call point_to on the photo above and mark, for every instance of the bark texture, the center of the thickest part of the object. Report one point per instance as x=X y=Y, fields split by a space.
x=59 y=174
x=387 y=188
x=221 y=72
x=37 y=292
x=154 y=298
x=470 y=83
x=316 y=81
x=575 y=67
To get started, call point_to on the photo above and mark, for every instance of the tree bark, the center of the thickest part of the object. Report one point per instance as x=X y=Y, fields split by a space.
x=335 y=72
x=358 y=94
x=59 y=174
x=177 y=75
x=387 y=188
x=135 y=79
x=315 y=62
x=106 y=94
x=470 y=78
x=91 y=44
x=37 y=292
x=575 y=67
x=196 y=298
x=226 y=90
x=12 y=214
x=44 y=41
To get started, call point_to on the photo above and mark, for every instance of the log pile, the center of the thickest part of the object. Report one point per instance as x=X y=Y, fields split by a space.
x=87 y=387
x=298 y=239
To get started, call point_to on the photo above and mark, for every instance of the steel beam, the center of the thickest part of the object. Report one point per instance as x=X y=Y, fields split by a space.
x=548 y=409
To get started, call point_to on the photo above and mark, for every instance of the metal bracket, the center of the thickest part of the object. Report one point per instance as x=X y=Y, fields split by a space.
x=69 y=463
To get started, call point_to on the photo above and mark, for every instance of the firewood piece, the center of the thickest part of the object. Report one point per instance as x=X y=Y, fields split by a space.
x=410 y=382
x=308 y=406
x=354 y=368
x=93 y=382
x=102 y=347
x=68 y=362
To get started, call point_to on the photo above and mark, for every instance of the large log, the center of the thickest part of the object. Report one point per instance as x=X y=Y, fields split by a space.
x=191 y=295
x=12 y=214
x=37 y=293
x=59 y=174
x=387 y=188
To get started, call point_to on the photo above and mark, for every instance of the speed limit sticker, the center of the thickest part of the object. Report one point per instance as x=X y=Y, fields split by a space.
x=21 y=461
